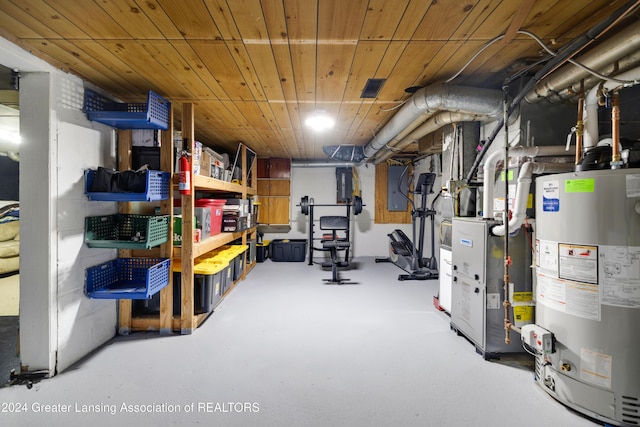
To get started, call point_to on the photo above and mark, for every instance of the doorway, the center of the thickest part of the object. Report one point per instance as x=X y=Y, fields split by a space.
x=9 y=224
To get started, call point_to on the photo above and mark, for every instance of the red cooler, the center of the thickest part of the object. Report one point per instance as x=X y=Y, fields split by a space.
x=216 y=212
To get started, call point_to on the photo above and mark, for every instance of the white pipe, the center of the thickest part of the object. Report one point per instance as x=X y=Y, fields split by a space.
x=590 y=116
x=490 y=170
x=522 y=193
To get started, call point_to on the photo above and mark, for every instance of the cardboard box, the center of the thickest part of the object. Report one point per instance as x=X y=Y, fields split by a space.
x=205 y=164
x=177 y=231
x=239 y=205
x=232 y=223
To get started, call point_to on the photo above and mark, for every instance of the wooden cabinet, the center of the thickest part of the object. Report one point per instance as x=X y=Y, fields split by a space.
x=274 y=191
x=274 y=168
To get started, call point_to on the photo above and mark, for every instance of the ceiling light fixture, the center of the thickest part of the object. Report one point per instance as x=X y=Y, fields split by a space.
x=319 y=121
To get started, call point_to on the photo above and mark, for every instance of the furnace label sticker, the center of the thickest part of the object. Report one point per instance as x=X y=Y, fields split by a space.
x=595 y=367
x=633 y=185
x=551 y=196
x=578 y=262
x=620 y=276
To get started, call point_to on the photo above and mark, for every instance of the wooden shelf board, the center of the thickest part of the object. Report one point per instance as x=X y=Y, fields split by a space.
x=202 y=182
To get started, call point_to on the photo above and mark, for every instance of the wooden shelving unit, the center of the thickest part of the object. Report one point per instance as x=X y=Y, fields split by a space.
x=187 y=321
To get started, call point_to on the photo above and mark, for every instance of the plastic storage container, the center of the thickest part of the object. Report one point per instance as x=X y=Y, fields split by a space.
x=207 y=290
x=284 y=250
x=126 y=231
x=157 y=188
x=207 y=285
x=127 y=278
x=154 y=114
x=216 y=206
x=226 y=259
x=262 y=251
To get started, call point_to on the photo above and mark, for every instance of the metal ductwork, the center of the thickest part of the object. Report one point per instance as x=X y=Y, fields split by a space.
x=624 y=44
x=430 y=100
x=431 y=125
x=321 y=164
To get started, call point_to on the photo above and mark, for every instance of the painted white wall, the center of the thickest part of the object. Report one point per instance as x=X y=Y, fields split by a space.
x=83 y=323
x=368 y=239
x=58 y=323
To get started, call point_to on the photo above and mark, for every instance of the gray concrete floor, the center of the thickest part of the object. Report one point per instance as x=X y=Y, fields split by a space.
x=8 y=347
x=284 y=349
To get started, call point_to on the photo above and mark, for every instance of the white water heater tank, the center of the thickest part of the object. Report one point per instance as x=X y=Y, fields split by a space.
x=588 y=291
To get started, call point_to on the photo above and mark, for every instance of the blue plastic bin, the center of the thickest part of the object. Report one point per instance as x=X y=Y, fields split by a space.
x=154 y=114
x=157 y=188
x=127 y=278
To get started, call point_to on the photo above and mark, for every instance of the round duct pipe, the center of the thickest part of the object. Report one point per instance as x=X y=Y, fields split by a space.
x=625 y=43
x=431 y=99
x=321 y=164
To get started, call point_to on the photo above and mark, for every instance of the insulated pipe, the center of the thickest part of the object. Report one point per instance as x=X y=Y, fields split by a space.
x=624 y=43
x=431 y=125
x=490 y=170
x=563 y=54
x=430 y=99
x=621 y=65
x=522 y=193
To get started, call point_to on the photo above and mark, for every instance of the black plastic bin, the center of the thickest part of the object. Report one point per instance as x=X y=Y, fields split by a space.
x=285 y=250
x=262 y=250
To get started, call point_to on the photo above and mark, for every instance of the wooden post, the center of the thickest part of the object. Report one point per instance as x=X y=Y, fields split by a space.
x=124 y=163
x=166 y=249
x=187 y=320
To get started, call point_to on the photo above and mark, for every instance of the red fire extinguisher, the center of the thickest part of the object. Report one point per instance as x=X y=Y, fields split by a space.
x=184 y=174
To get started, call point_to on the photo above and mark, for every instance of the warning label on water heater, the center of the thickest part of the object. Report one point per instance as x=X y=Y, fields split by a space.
x=578 y=262
x=595 y=367
x=620 y=275
x=551 y=196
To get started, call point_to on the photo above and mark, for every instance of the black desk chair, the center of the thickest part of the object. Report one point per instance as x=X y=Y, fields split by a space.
x=333 y=243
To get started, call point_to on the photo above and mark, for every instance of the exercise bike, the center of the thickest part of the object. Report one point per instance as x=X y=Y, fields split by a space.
x=402 y=250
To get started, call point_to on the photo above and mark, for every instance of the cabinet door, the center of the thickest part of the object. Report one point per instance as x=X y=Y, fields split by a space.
x=264 y=210
x=264 y=187
x=278 y=210
x=280 y=168
x=263 y=168
x=279 y=187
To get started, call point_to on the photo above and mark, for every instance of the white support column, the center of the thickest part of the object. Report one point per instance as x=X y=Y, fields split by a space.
x=38 y=239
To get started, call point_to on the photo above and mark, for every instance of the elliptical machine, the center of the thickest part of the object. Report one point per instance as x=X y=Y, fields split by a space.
x=402 y=250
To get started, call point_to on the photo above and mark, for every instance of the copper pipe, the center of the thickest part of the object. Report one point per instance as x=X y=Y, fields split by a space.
x=580 y=123
x=507 y=306
x=615 y=129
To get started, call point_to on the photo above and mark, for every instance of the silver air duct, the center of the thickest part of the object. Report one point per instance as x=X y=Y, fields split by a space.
x=431 y=99
x=624 y=43
x=431 y=125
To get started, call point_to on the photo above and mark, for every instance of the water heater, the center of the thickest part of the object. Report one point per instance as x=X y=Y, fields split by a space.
x=588 y=292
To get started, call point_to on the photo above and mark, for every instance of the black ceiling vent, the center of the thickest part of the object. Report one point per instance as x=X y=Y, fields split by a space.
x=372 y=88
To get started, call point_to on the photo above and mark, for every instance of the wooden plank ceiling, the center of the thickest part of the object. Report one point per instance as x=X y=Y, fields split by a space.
x=256 y=68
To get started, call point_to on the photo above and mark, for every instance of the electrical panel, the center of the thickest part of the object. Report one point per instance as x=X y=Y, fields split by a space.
x=395 y=187
x=344 y=181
